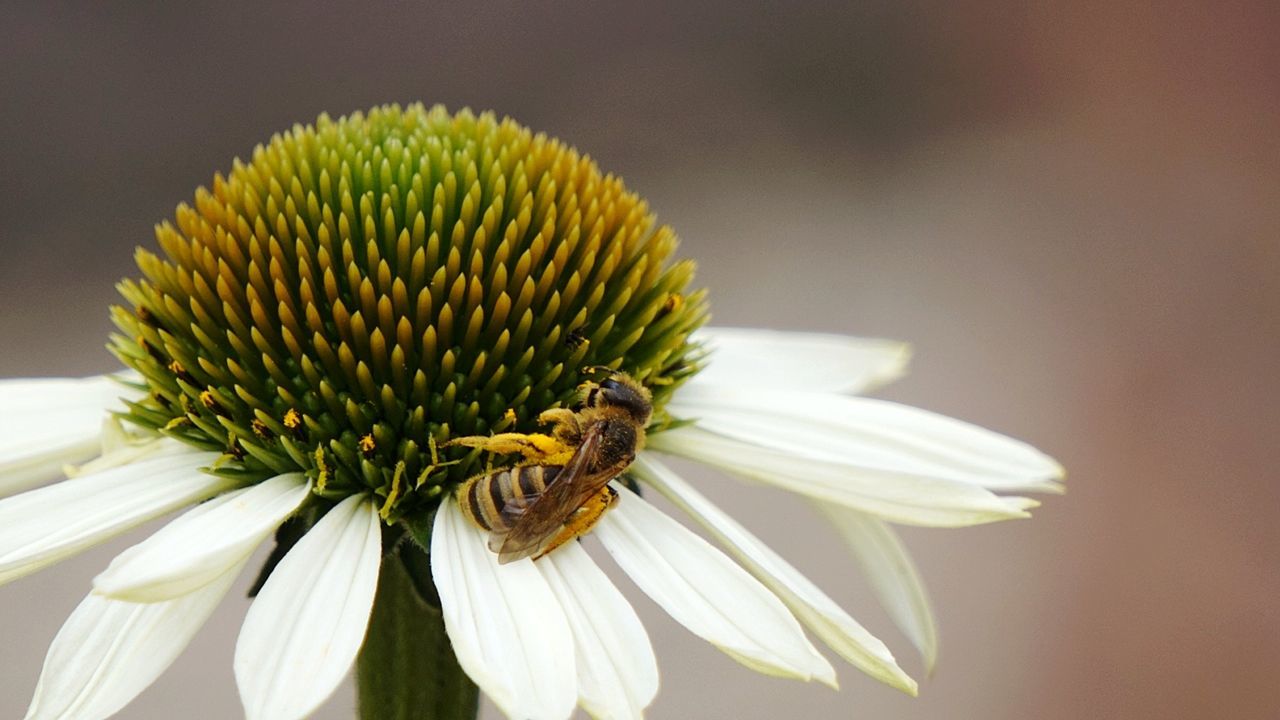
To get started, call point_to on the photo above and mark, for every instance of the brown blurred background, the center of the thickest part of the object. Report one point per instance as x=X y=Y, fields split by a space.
x=1073 y=212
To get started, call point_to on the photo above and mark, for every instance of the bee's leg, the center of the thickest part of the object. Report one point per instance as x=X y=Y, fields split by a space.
x=582 y=519
x=565 y=424
x=558 y=416
x=436 y=464
x=535 y=447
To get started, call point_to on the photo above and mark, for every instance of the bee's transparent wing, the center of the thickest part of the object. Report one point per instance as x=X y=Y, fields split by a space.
x=533 y=521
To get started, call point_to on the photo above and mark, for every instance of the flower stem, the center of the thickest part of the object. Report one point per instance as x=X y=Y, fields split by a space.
x=407 y=669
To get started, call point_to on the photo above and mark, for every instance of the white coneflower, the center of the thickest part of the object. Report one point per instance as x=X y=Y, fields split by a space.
x=328 y=316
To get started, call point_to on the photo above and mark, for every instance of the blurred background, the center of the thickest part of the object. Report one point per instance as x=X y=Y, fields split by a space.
x=1071 y=210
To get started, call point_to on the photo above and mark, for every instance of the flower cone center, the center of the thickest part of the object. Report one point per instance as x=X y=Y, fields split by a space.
x=363 y=289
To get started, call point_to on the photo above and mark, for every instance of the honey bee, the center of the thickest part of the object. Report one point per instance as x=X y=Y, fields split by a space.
x=561 y=488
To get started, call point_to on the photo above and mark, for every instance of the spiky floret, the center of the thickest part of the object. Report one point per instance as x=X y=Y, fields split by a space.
x=365 y=288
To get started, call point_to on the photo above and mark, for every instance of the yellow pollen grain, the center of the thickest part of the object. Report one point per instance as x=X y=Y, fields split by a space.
x=261 y=430
x=368 y=445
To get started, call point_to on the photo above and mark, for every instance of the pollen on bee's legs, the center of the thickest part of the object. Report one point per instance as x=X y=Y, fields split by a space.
x=582 y=519
x=556 y=416
x=565 y=424
x=533 y=447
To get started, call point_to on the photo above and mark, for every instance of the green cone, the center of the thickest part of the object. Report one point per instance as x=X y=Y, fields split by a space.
x=365 y=288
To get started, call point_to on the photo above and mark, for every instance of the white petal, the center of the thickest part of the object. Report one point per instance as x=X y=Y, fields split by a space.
x=202 y=544
x=49 y=422
x=120 y=446
x=870 y=433
x=813 y=607
x=305 y=628
x=42 y=526
x=892 y=575
x=507 y=628
x=901 y=497
x=109 y=651
x=617 y=671
x=702 y=589
x=750 y=358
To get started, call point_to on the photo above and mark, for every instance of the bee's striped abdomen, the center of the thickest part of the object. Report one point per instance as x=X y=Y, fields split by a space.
x=483 y=497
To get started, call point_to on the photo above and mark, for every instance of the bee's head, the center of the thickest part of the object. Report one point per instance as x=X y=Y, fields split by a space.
x=620 y=391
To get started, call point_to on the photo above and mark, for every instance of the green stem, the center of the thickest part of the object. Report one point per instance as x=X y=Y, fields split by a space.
x=407 y=669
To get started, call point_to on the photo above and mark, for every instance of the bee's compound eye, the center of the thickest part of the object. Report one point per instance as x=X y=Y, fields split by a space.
x=610 y=384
